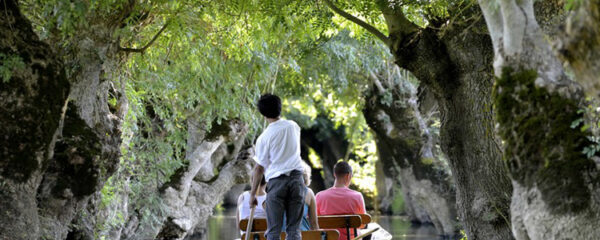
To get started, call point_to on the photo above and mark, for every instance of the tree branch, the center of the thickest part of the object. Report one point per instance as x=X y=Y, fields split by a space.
x=358 y=21
x=141 y=50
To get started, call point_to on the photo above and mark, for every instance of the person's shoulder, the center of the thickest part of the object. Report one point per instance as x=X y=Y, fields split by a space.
x=291 y=123
x=242 y=196
x=309 y=193
x=324 y=193
x=321 y=193
x=352 y=192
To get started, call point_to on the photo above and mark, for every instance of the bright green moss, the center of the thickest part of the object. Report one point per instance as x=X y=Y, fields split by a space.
x=541 y=148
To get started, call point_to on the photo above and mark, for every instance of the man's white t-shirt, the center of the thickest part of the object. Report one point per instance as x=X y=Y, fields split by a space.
x=278 y=149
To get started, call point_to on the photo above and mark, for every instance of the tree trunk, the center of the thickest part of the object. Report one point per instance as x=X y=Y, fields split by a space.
x=556 y=186
x=76 y=144
x=579 y=45
x=455 y=64
x=31 y=105
x=405 y=150
x=189 y=197
x=88 y=150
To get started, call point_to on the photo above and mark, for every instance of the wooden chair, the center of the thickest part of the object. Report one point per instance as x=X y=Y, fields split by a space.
x=259 y=235
x=341 y=221
x=317 y=235
x=306 y=235
x=258 y=225
x=365 y=218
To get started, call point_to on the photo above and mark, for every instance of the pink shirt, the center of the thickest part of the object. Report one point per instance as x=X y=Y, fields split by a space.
x=340 y=201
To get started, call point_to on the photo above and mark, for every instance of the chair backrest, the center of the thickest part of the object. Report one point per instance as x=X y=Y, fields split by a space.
x=254 y=236
x=259 y=236
x=365 y=218
x=306 y=235
x=339 y=221
x=316 y=235
x=258 y=224
x=325 y=222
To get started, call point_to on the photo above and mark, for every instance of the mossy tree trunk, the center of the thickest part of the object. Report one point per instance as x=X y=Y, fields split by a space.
x=191 y=196
x=579 y=45
x=31 y=105
x=76 y=140
x=88 y=150
x=406 y=150
x=454 y=62
x=556 y=186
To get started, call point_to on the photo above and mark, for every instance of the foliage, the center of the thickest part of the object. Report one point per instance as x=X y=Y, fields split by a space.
x=208 y=61
x=9 y=64
x=210 y=64
x=463 y=234
x=337 y=73
x=589 y=122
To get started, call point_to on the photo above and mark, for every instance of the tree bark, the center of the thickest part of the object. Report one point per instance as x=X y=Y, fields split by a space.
x=578 y=45
x=80 y=137
x=190 y=198
x=405 y=149
x=556 y=187
x=453 y=60
x=455 y=64
x=32 y=103
x=88 y=150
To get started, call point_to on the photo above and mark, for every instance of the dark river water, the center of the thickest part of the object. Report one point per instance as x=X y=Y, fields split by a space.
x=222 y=226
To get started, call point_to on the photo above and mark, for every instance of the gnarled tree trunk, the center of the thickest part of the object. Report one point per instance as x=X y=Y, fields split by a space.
x=189 y=196
x=556 y=186
x=405 y=148
x=579 y=45
x=31 y=102
x=454 y=62
x=88 y=150
x=456 y=65
x=73 y=146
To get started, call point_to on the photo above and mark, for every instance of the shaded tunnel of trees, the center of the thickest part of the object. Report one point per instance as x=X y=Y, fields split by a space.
x=128 y=119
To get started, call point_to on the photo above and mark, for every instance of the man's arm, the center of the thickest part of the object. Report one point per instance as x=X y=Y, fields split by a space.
x=257 y=175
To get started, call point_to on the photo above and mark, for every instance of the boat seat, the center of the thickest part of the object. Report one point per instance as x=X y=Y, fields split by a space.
x=341 y=221
x=325 y=222
x=306 y=235
x=258 y=225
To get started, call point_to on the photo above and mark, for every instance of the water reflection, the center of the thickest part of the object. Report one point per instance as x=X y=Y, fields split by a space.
x=222 y=226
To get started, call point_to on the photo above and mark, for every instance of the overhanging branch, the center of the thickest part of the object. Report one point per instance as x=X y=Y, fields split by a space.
x=358 y=21
x=141 y=50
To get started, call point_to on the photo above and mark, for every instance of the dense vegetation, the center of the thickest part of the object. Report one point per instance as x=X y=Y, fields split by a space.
x=127 y=119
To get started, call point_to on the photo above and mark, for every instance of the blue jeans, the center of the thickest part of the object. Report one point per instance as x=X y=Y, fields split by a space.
x=285 y=194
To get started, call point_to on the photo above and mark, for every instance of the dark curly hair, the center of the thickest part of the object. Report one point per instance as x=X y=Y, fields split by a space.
x=269 y=105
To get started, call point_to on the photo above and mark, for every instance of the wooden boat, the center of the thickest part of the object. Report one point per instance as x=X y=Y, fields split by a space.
x=328 y=224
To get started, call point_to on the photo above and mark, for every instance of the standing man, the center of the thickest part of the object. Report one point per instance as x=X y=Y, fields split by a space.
x=278 y=158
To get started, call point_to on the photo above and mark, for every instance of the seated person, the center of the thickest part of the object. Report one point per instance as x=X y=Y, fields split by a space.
x=243 y=209
x=339 y=199
x=309 y=216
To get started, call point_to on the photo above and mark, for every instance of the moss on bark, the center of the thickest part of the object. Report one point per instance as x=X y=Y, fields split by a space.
x=541 y=148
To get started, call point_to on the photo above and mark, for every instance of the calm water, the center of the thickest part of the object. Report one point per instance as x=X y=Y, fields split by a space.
x=222 y=226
